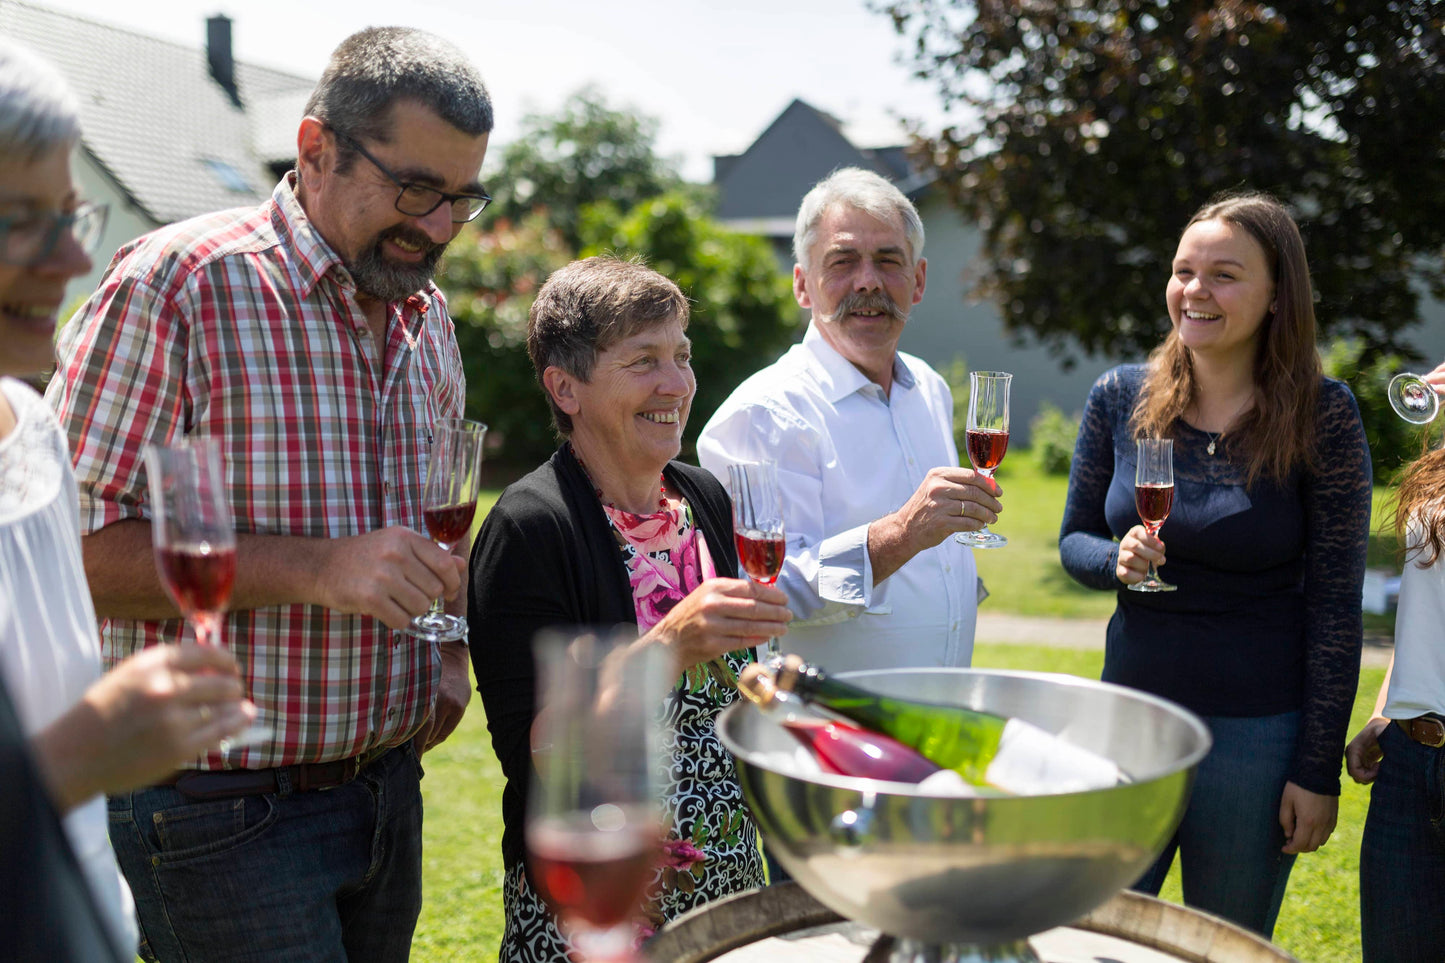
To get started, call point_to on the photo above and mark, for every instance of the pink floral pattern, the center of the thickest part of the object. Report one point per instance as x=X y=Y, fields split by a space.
x=655 y=545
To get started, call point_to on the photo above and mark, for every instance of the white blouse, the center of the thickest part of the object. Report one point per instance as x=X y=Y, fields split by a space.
x=1417 y=684
x=49 y=648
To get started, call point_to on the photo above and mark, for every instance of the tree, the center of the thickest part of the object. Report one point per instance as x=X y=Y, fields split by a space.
x=1093 y=130
x=586 y=152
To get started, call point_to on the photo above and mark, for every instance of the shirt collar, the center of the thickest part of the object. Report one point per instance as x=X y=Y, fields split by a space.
x=314 y=257
x=837 y=376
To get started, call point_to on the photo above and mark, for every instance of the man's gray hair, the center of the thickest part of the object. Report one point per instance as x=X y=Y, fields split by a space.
x=376 y=67
x=38 y=113
x=857 y=188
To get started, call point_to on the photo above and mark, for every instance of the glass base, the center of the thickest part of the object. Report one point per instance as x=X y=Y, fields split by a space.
x=438 y=628
x=255 y=734
x=983 y=538
x=1152 y=585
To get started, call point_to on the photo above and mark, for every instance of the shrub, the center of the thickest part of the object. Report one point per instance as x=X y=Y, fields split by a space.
x=1053 y=434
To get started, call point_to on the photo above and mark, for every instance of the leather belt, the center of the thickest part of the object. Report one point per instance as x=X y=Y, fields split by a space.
x=1426 y=730
x=302 y=777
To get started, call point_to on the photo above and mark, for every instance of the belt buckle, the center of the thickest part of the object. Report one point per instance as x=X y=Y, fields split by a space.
x=1435 y=730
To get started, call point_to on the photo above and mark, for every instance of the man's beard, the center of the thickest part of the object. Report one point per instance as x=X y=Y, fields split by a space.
x=855 y=301
x=379 y=277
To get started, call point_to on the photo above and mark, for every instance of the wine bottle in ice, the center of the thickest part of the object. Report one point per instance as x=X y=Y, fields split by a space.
x=836 y=746
x=984 y=748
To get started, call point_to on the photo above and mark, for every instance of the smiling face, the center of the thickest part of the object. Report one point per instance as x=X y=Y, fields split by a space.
x=632 y=411
x=1221 y=290
x=31 y=296
x=390 y=254
x=860 y=284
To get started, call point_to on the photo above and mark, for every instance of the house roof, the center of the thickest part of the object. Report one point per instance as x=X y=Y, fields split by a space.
x=155 y=119
x=760 y=188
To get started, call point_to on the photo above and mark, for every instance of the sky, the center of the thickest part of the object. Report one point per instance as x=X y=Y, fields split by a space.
x=714 y=73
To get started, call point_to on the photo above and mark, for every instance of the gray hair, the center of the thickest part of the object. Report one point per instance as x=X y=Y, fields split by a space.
x=376 y=67
x=864 y=190
x=38 y=113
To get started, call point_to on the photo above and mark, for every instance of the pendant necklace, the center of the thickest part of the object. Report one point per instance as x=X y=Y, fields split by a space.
x=1213 y=437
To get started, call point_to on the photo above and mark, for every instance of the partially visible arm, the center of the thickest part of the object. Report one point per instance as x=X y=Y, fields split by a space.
x=392 y=574
x=1337 y=519
x=1086 y=544
x=152 y=712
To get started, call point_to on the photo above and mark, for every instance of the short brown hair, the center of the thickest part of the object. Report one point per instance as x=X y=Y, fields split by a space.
x=590 y=305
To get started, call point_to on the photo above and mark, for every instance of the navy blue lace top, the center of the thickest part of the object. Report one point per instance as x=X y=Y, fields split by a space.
x=1267 y=616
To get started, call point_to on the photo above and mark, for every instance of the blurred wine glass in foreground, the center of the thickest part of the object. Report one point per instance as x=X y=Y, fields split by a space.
x=758 y=527
x=594 y=825
x=195 y=542
x=1413 y=398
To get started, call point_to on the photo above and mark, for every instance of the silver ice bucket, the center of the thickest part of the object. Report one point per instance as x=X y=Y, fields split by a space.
x=976 y=871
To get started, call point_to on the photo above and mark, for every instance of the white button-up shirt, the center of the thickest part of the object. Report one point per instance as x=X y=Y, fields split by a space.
x=847 y=454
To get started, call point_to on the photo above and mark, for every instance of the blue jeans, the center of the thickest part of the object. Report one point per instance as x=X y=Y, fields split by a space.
x=1402 y=855
x=1230 y=839
x=330 y=875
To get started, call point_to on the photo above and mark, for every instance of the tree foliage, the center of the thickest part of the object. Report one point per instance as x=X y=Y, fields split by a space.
x=1090 y=130
x=588 y=151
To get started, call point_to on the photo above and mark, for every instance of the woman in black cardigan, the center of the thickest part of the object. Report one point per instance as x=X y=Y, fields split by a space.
x=612 y=530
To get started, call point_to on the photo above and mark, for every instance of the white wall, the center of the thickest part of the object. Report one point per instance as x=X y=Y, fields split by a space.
x=125 y=223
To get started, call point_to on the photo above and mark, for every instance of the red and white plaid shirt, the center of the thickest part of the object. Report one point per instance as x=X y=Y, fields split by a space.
x=242 y=326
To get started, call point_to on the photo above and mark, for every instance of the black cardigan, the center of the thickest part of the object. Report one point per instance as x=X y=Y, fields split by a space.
x=546 y=556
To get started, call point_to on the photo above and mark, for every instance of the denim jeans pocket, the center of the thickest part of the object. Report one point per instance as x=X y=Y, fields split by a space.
x=207 y=828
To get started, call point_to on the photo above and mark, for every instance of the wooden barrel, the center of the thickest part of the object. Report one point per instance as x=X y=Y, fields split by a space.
x=783 y=923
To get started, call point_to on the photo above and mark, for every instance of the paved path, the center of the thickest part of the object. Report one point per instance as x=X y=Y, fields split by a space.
x=1089 y=634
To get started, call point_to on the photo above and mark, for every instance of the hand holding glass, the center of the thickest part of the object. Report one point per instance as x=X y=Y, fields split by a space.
x=986 y=438
x=195 y=542
x=449 y=503
x=758 y=526
x=1154 y=497
x=594 y=829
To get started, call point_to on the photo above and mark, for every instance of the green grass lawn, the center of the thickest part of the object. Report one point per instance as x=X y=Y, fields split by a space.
x=462 y=915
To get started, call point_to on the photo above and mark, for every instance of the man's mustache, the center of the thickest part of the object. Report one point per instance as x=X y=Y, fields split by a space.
x=856 y=301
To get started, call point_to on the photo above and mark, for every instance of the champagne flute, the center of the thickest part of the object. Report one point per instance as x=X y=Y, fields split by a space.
x=594 y=824
x=1413 y=398
x=195 y=542
x=758 y=527
x=1153 y=497
x=448 y=505
x=986 y=438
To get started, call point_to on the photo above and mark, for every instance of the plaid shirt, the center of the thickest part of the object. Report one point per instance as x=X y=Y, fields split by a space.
x=242 y=325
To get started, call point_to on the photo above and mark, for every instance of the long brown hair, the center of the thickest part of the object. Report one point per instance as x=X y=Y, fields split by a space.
x=1421 y=495
x=1278 y=432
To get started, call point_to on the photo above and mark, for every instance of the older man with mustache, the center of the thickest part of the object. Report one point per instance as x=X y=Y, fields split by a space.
x=306 y=337
x=862 y=435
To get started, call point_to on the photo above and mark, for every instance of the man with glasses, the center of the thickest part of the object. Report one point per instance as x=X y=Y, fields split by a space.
x=307 y=337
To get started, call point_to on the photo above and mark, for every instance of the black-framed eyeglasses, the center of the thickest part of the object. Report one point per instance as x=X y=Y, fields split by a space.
x=419 y=200
x=26 y=240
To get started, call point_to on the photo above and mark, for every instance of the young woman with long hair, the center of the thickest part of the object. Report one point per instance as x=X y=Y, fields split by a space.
x=1402 y=853
x=1266 y=541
